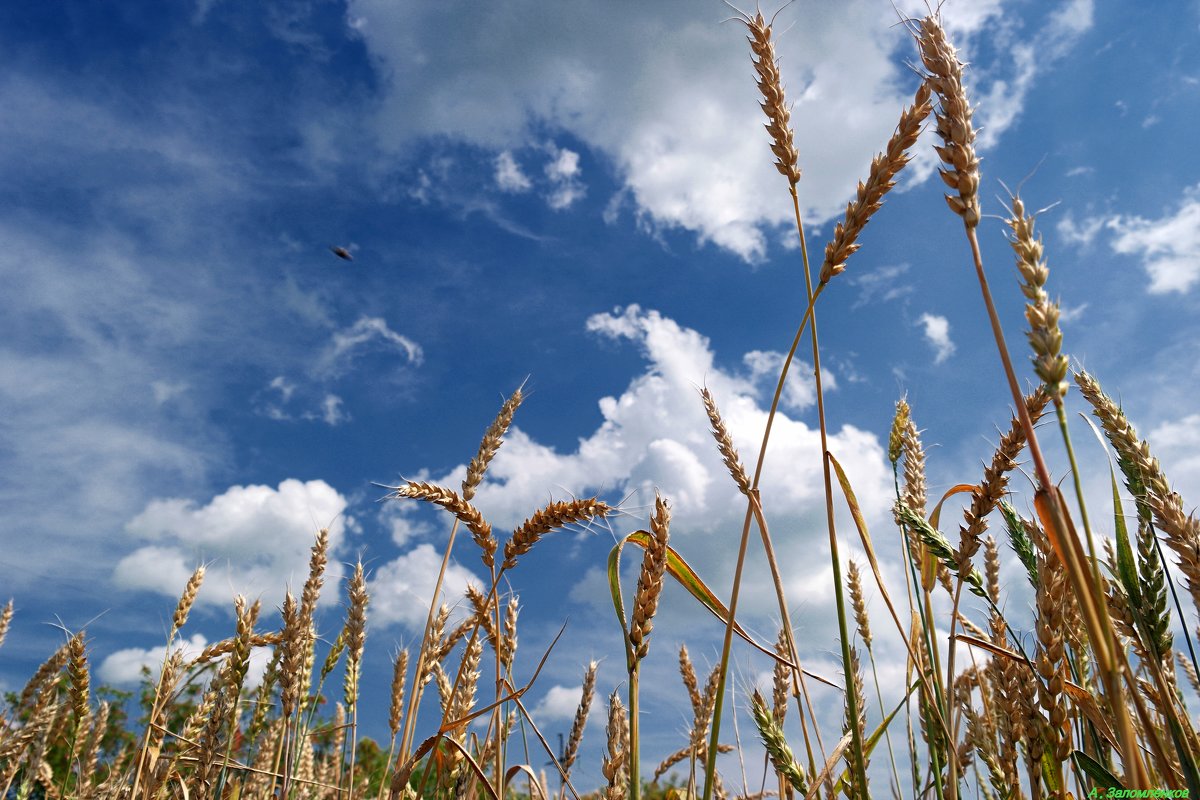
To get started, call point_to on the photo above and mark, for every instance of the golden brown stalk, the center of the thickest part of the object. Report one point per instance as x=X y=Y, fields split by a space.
x=481 y=530
x=1181 y=531
x=953 y=116
x=994 y=485
x=773 y=105
x=581 y=715
x=650 y=582
x=6 y=619
x=881 y=178
x=554 y=516
x=913 y=491
x=399 y=673
x=356 y=636
x=614 y=766
x=492 y=439
x=1044 y=334
x=859 y=604
x=239 y=659
x=318 y=559
x=729 y=453
x=1011 y=715
x=187 y=600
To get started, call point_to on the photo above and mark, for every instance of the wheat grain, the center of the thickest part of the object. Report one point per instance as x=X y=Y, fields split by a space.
x=859 y=604
x=953 y=116
x=774 y=104
x=356 y=632
x=720 y=432
x=399 y=673
x=650 y=581
x=580 y=720
x=6 y=619
x=1045 y=337
x=994 y=485
x=187 y=600
x=614 y=765
x=555 y=515
x=77 y=671
x=1051 y=657
x=481 y=530
x=776 y=744
x=1181 y=531
x=492 y=439
x=880 y=179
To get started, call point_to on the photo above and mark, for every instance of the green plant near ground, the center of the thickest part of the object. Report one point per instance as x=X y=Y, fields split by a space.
x=1089 y=698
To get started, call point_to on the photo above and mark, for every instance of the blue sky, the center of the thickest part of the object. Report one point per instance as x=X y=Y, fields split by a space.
x=579 y=195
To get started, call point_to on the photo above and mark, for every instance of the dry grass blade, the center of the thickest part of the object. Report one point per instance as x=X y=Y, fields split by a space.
x=881 y=178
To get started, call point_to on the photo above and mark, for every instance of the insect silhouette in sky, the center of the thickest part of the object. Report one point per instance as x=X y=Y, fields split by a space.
x=341 y=253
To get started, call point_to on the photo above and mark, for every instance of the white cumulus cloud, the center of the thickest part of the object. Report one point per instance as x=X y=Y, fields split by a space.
x=1168 y=247
x=667 y=95
x=509 y=176
x=125 y=666
x=255 y=539
x=401 y=589
x=937 y=333
x=655 y=435
x=560 y=703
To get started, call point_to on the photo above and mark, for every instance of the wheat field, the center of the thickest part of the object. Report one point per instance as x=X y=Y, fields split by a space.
x=1086 y=699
